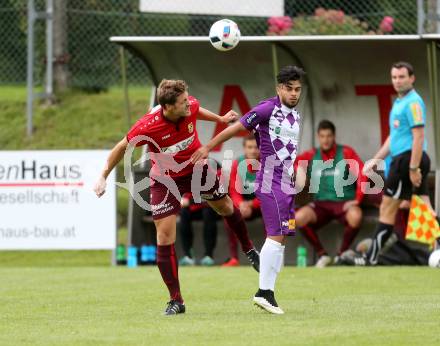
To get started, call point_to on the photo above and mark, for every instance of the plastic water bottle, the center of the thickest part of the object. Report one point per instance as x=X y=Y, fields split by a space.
x=145 y=254
x=301 y=258
x=148 y=254
x=120 y=254
x=132 y=260
x=152 y=254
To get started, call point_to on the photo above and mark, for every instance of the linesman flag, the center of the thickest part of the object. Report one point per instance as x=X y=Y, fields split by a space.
x=422 y=225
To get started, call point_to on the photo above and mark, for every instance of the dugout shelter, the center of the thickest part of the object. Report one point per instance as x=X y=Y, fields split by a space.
x=347 y=81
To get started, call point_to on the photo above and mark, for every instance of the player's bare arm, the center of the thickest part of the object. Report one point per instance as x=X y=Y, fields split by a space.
x=116 y=154
x=205 y=114
x=416 y=155
x=231 y=131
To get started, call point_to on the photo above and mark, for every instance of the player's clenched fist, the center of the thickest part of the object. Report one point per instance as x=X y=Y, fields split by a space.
x=230 y=117
x=100 y=187
x=200 y=154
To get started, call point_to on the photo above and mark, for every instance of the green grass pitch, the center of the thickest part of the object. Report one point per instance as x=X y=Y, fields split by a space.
x=121 y=306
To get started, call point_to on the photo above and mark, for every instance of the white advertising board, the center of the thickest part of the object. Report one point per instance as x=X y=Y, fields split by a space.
x=254 y=8
x=47 y=201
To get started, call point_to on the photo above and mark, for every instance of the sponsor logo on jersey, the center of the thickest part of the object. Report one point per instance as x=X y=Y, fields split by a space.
x=190 y=127
x=290 y=224
x=251 y=117
x=329 y=172
x=285 y=131
x=396 y=123
x=166 y=136
x=417 y=113
x=159 y=206
x=182 y=145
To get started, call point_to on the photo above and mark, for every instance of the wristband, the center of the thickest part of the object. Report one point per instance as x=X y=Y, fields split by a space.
x=414 y=169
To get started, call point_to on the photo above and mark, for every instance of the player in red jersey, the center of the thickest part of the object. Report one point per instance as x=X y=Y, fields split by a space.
x=170 y=132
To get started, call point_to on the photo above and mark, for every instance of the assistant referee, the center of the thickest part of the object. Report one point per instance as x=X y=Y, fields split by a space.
x=410 y=163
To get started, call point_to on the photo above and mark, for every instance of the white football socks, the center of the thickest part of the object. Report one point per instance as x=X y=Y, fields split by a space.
x=271 y=261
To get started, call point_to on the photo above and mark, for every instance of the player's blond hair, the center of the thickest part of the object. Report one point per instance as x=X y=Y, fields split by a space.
x=169 y=90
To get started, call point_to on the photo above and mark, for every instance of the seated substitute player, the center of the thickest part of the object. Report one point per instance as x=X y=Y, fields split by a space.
x=410 y=163
x=197 y=211
x=328 y=202
x=242 y=191
x=170 y=132
x=276 y=123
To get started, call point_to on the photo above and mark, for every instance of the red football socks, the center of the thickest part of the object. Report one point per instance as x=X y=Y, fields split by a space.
x=232 y=242
x=236 y=223
x=167 y=263
x=349 y=234
x=313 y=239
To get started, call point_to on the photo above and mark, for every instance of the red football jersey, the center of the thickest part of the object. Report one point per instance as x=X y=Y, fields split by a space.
x=170 y=145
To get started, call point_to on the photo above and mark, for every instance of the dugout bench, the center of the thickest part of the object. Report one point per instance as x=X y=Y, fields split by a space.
x=142 y=230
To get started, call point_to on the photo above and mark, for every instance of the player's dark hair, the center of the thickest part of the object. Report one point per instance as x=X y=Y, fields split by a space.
x=169 y=90
x=249 y=137
x=326 y=125
x=289 y=73
x=404 y=64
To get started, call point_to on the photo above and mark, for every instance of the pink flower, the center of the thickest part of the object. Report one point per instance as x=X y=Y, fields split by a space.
x=339 y=17
x=279 y=25
x=387 y=24
x=273 y=30
x=388 y=19
x=320 y=12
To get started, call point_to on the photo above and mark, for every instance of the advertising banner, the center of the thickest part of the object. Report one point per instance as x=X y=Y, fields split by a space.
x=47 y=201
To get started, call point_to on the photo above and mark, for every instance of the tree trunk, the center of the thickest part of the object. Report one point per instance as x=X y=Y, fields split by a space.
x=61 y=72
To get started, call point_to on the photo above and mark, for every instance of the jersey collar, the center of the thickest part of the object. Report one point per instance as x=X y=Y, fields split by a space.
x=407 y=94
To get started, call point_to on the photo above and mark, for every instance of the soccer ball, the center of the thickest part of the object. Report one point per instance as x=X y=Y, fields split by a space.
x=434 y=259
x=224 y=35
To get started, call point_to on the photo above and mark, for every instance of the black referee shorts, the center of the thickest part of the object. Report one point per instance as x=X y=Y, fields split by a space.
x=398 y=185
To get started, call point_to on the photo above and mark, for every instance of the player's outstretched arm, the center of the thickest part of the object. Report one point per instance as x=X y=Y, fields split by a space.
x=116 y=154
x=229 y=132
x=205 y=114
